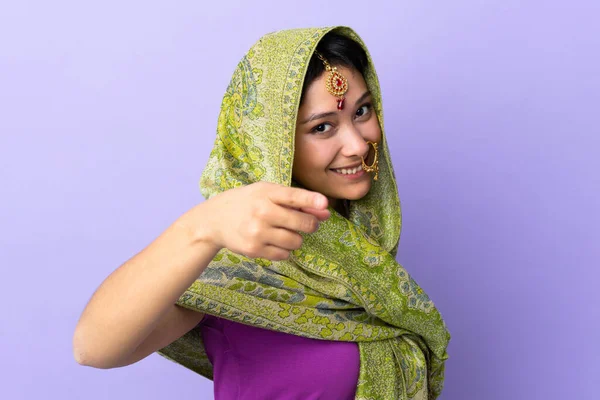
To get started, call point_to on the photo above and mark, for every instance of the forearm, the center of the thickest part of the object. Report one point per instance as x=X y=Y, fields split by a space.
x=129 y=304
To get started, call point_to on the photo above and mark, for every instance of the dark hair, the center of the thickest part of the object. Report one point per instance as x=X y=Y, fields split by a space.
x=339 y=51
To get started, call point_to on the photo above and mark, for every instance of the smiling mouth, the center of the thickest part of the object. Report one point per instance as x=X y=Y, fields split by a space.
x=348 y=171
x=353 y=170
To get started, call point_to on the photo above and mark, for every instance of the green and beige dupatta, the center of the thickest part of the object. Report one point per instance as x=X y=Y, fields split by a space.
x=344 y=282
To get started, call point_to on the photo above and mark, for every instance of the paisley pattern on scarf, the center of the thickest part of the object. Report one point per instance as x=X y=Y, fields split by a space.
x=344 y=282
x=243 y=158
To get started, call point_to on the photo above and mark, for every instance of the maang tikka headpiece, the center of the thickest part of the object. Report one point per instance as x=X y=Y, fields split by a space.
x=336 y=83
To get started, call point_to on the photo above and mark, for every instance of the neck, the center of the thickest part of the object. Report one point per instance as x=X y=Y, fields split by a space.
x=339 y=205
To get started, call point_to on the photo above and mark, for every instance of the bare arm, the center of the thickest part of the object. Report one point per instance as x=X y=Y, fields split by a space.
x=133 y=312
x=175 y=324
x=140 y=295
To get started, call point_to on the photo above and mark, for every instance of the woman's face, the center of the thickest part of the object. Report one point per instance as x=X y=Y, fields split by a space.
x=330 y=143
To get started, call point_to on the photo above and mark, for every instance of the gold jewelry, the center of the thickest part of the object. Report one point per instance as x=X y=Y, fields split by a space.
x=336 y=83
x=374 y=167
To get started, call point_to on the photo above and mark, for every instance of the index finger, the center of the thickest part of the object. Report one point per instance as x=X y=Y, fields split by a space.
x=297 y=198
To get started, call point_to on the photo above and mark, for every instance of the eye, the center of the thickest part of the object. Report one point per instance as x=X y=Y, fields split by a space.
x=364 y=110
x=321 y=128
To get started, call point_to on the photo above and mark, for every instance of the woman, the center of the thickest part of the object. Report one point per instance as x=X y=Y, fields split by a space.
x=283 y=284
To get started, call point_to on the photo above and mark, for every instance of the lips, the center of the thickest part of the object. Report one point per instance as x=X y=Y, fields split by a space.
x=348 y=171
x=354 y=168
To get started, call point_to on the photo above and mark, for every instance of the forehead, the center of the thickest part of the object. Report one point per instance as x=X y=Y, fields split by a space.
x=317 y=96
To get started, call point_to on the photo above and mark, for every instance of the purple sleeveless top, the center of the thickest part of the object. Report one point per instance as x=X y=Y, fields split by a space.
x=255 y=363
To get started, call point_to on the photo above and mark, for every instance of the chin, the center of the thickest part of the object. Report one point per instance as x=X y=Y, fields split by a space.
x=355 y=193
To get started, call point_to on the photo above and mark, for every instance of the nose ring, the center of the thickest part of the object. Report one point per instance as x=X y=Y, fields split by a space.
x=374 y=167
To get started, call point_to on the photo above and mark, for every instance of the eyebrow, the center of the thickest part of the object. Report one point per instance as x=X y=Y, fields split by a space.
x=314 y=117
x=363 y=97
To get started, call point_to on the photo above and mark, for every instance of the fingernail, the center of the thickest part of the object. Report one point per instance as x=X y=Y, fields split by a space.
x=321 y=201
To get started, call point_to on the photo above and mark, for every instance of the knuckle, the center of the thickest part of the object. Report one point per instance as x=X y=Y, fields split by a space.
x=307 y=198
x=310 y=224
x=297 y=242
x=253 y=230
x=251 y=250
x=297 y=196
x=256 y=188
x=261 y=210
x=281 y=255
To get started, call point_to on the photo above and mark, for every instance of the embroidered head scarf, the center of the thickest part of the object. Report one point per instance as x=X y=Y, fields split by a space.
x=344 y=283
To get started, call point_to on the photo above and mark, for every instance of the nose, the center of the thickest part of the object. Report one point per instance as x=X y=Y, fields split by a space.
x=354 y=144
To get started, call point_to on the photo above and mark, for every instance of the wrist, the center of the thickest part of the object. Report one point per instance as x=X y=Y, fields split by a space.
x=199 y=225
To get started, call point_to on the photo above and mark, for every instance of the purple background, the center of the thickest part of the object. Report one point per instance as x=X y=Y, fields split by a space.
x=108 y=113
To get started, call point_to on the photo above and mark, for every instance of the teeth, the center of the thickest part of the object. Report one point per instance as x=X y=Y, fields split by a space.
x=345 y=171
